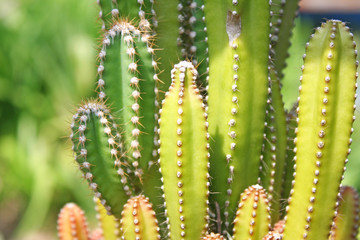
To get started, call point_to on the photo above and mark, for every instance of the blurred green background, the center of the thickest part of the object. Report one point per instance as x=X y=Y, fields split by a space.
x=47 y=66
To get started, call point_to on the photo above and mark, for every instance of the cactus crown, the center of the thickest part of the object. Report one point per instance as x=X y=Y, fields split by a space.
x=217 y=155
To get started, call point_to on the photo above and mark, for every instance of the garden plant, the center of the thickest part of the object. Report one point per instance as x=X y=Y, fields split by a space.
x=187 y=136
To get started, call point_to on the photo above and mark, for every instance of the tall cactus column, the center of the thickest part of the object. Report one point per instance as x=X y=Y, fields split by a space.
x=184 y=155
x=325 y=116
x=238 y=40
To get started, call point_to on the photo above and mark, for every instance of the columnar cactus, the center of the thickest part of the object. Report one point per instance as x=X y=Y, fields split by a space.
x=210 y=145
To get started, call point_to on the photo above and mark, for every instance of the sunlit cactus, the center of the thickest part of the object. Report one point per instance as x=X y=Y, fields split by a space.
x=187 y=136
x=72 y=223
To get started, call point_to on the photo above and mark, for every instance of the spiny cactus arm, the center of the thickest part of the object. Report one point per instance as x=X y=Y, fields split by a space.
x=346 y=223
x=325 y=117
x=138 y=220
x=184 y=155
x=72 y=223
x=238 y=80
x=283 y=16
x=252 y=220
x=275 y=144
x=96 y=149
x=127 y=81
x=167 y=26
x=109 y=225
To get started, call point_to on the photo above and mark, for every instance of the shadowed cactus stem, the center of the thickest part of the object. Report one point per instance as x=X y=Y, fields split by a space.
x=72 y=223
x=346 y=222
x=237 y=91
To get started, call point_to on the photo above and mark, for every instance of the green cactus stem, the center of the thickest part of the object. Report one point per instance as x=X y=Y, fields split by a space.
x=126 y=73
x=108 y=224
x=346 y=222
x=138 y=220
x=325 y=117
x=72 y=223
x=96 y=148
x=166 y=25
x=289 y=163
x=184 y=156
x=252 y=220
x=111 y=10
x=238 y=40
x=274 y=147
x=283 y=13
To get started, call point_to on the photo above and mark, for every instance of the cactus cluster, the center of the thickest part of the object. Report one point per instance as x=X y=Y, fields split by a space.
x=217 y=156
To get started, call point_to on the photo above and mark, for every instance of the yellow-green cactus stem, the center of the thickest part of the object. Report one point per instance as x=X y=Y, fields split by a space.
x=184 y=155
x=108 y=224
x=72 y=223
x=346 y=222
x=238 y=40
x=252 y=220
x=274 y=147
x=325 y=117
x=138 y=220
x=96 y=146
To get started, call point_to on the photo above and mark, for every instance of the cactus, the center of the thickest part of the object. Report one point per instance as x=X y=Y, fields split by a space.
x=347 y=219
x=184 y=155
x=72 y=223
x=138 y=220
x=217 y=155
